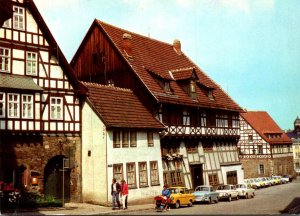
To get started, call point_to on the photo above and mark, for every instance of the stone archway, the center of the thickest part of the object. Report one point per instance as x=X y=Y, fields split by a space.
x=53 y=179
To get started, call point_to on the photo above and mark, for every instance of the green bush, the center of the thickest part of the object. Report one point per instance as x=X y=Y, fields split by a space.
x=34 y=200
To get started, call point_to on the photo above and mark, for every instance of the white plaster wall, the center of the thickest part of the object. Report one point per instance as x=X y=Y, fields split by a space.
x=239 y=172
x=94 y=181
x=141 y=153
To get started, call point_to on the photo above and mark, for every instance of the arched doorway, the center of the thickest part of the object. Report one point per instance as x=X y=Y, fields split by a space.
x=53 y=178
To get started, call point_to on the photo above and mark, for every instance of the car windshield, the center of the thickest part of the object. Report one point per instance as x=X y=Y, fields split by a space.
x=176 y=190
x=202 y=189
x=241 y=186
x=224 y=187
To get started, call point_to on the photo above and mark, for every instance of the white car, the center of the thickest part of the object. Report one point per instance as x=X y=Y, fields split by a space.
x=245 y=191
x=228 y=192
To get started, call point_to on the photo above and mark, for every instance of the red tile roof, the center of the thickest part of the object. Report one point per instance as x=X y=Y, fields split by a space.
x=263 y=123
x=181 y=74
x=120 y=108
x=161 y=58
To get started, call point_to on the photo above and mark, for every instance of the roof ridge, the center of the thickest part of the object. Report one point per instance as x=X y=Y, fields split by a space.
x=131 y=32
x=182 y=69
x=105 y=86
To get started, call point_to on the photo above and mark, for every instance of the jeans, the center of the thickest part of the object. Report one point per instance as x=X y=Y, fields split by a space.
x=115 y=198
x=124 y=201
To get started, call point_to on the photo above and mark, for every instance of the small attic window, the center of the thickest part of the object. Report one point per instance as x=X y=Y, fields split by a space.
x=210 y=94
x=167 y=87
x=192 y=91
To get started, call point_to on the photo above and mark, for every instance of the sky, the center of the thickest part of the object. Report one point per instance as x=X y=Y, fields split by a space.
x=251 y=48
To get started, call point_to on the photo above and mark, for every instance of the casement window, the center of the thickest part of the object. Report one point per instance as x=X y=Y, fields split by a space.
x=176 y=178
x=221 y=120
x=150 y=139
x=31 y=63
x=231 y=177
x=186 y=117
x=235 y=121
x=13 y=105
x=56 y=105
x=213 y=179
x=203 y=119
x=2 y=104
x=154 y=177
x=143 y=178
x=260 y=149
x=18 y=18
x=167 y=87
x=261 y=169
x=133 y=139
x=4 y=60
x=131 y=175
x=118 y=172
x=125 y=139
x=27 y=106
x=192 y=92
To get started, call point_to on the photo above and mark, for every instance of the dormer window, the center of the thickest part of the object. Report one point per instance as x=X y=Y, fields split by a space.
x=167 y=87
x=193 y=89
x=210 y=94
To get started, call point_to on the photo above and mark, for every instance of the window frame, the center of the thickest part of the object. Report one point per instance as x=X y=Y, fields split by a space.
x=2 y=102
x=154 y=171
x=27 y=103
x=213 y=179
x=150 y=139
x=5 y=60
x=125 y=139
x=261 y=169
x=14 y=102
x=30 y=61
x=117 y=139
x=56 y=105
x=143 y=171
x=128 y=171
x=133 y=139
x=118 y=175
x=19 y=18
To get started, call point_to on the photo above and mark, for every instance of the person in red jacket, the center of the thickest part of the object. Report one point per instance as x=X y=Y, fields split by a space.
x=124 y=193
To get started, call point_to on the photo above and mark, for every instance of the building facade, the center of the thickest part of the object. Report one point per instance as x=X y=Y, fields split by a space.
x=121 y=140
x=40 y=118
x=264 y=149
x=294 y=135
x=199 y=145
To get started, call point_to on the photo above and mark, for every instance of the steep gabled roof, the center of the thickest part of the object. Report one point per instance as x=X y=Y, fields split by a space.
x=264 y=125
x=183 y=73
x=150 y=56
x=52 y=42
x=120 y=108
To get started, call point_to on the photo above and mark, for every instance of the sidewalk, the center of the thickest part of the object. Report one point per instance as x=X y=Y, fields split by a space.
x=81 y=209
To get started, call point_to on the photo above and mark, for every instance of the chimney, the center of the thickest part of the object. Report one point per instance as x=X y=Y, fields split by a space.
x=177 y=46
x=127 y=46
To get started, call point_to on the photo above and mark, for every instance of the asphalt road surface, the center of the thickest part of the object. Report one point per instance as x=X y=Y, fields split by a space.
x=273 y=200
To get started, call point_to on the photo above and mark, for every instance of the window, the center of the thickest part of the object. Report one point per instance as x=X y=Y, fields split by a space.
x=125 y=139
x=27 y=106
x=231 y=177
x=222 y=120
x=176 y=178
x=132 y=139
x=260 y=149
x=154 y=173
x=116 y=139
x=210 y=94
x=193 y=94
x=213 y=179
x=143 y=174
x=2 y=104
x=261 y=169
x=4 y=60
x=13 y=105
x=150 y=139
x=192 y=147
x=131 y=176
x=18 y=18
x=118 y=171
x=167 y=86
x=235 y=121
x=31 y=63
x=56 y=108
x=250 y=137
x=203 y=119
x=186 y=117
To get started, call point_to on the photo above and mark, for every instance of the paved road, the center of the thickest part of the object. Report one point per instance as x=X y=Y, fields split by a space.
x=273 y=200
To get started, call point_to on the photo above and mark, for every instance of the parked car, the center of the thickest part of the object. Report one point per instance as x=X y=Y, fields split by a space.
x=181 y=196
x=289 y=177
x=261 y=182
x=285 y=179
x=253 y=183
x=277 y=179
x=245 y=191
x=206 y=193
x=228 y=192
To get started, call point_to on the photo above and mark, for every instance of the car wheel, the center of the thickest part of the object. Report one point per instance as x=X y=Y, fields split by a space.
x=217 y=200
x=237 y=197
x=190 y=204
x=247 y=196
x=229 y=199
x=177 y=204
x=209 y=201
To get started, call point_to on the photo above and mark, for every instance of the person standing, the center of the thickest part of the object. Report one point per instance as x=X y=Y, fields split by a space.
x=115 y=190
x=166 y=194
x=124 y=193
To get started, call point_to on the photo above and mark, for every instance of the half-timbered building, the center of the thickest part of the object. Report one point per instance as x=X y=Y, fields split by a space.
x=199 y=145
x=39 y=108
x=121 y=141
x=294 y=135
x=264 y=149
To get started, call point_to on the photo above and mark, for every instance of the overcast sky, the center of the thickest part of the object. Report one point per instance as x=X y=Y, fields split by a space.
x=251 y=48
